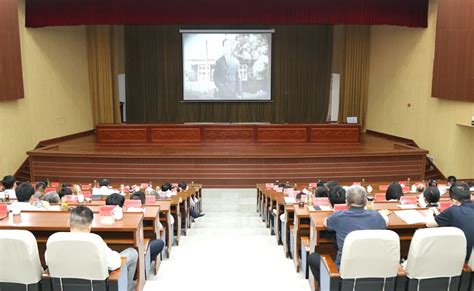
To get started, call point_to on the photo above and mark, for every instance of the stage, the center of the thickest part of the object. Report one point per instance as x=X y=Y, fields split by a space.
x=220 y=163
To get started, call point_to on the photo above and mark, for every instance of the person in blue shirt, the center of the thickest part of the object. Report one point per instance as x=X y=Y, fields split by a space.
x=460 y=215
x=344 y=222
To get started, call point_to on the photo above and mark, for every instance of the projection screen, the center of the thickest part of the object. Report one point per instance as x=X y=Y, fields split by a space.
x=227 y=65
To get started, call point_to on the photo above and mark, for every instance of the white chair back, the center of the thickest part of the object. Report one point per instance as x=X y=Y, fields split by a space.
x=19 y=257
x=436 y=253
x=370 y=254
x=77 y=255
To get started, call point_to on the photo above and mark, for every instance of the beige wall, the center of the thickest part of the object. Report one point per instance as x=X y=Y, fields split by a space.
x=401 y=66
x=57 y=97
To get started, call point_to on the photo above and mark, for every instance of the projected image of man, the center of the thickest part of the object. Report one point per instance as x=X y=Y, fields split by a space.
x=227 y=74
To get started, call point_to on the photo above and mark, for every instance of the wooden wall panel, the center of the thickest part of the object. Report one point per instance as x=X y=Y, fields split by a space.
x=176 y=134
x=282 y=135
x=231 y=134
x=453 y=71
x=334 y=135
x=123 y=135
x=11 y=77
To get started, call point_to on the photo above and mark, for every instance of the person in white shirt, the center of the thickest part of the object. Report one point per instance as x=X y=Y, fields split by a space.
x=166 y=191
x=25 y=201
x=81 y=221
x=8 y=183
x=104 y=188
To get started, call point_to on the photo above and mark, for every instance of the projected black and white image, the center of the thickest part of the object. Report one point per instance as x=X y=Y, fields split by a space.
x=227 y=66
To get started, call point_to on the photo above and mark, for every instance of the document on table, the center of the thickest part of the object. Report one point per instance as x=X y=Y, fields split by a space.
x=290 y=200
x=411 y=216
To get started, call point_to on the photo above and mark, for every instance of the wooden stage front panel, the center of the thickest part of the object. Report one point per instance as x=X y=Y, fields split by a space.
x=222 y=165
x=231 y=133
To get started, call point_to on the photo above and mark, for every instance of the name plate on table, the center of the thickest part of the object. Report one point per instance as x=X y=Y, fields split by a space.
x=3 y=211
x=106 y=214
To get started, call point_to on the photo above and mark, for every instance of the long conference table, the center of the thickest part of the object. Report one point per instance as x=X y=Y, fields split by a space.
x=306 y=225
x=119 y=235
x=131 y=231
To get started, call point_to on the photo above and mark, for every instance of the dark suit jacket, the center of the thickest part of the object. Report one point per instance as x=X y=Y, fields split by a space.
x=227 y=78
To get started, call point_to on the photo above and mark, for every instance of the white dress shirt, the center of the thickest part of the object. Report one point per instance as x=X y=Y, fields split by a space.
x=113 y=259
x=11 y=193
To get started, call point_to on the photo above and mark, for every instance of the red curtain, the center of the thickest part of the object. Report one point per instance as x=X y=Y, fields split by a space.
x=413 y=13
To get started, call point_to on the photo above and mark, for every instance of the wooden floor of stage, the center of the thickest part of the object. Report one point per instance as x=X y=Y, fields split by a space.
x=83 y=159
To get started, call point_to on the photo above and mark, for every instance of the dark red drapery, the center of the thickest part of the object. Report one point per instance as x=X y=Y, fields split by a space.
x=413 y=13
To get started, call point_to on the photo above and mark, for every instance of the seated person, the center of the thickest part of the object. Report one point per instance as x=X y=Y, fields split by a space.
x=431 y=197
x=40 y=188
x=139 y=195
x=420 y=187
x=394 y=192
x=81 y=221
x=451 y=180
x=344 y=222
x=321 y=191
x=104 y=188
x=331 y=184
x=320 y=184
x=166 y=191
x=337 y=195
x=64 y=191
x=51 y=198
x=183 y=186
x=460 y=215
x=24 y=195
x=433 y=183
x=157 y=245
x=9 y=186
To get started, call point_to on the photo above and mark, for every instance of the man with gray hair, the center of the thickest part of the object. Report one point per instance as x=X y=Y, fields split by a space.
x=81 y=221
x=344 y=222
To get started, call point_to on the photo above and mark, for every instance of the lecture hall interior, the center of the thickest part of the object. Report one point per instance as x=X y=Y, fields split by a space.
x=236 y=145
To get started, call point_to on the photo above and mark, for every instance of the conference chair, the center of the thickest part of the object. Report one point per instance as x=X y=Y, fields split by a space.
x=20 y=266
x=435 y=260
x=370 y=261
x=78 y=262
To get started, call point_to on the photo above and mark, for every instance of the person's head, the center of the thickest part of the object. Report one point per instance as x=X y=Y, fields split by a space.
x=115 y=199
x=356 y=196
x=420 y=188
x=460 y=192
x=8 y=182
x=182 y=186
x=24 y=192
x=431 y=195
x=337 y=195
x=166 y=187
x=227 y=47
x=321 y=191
x=331 y=184
x=433 y=183
x=452 y=180
x=51 y=197
x=40 y=187
x=64 y=191
x=284 y=185
x=298 y=196
x=394 y=191
x=81 y=219
x=104 y=182
x=139 y=195
x=320 y=183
